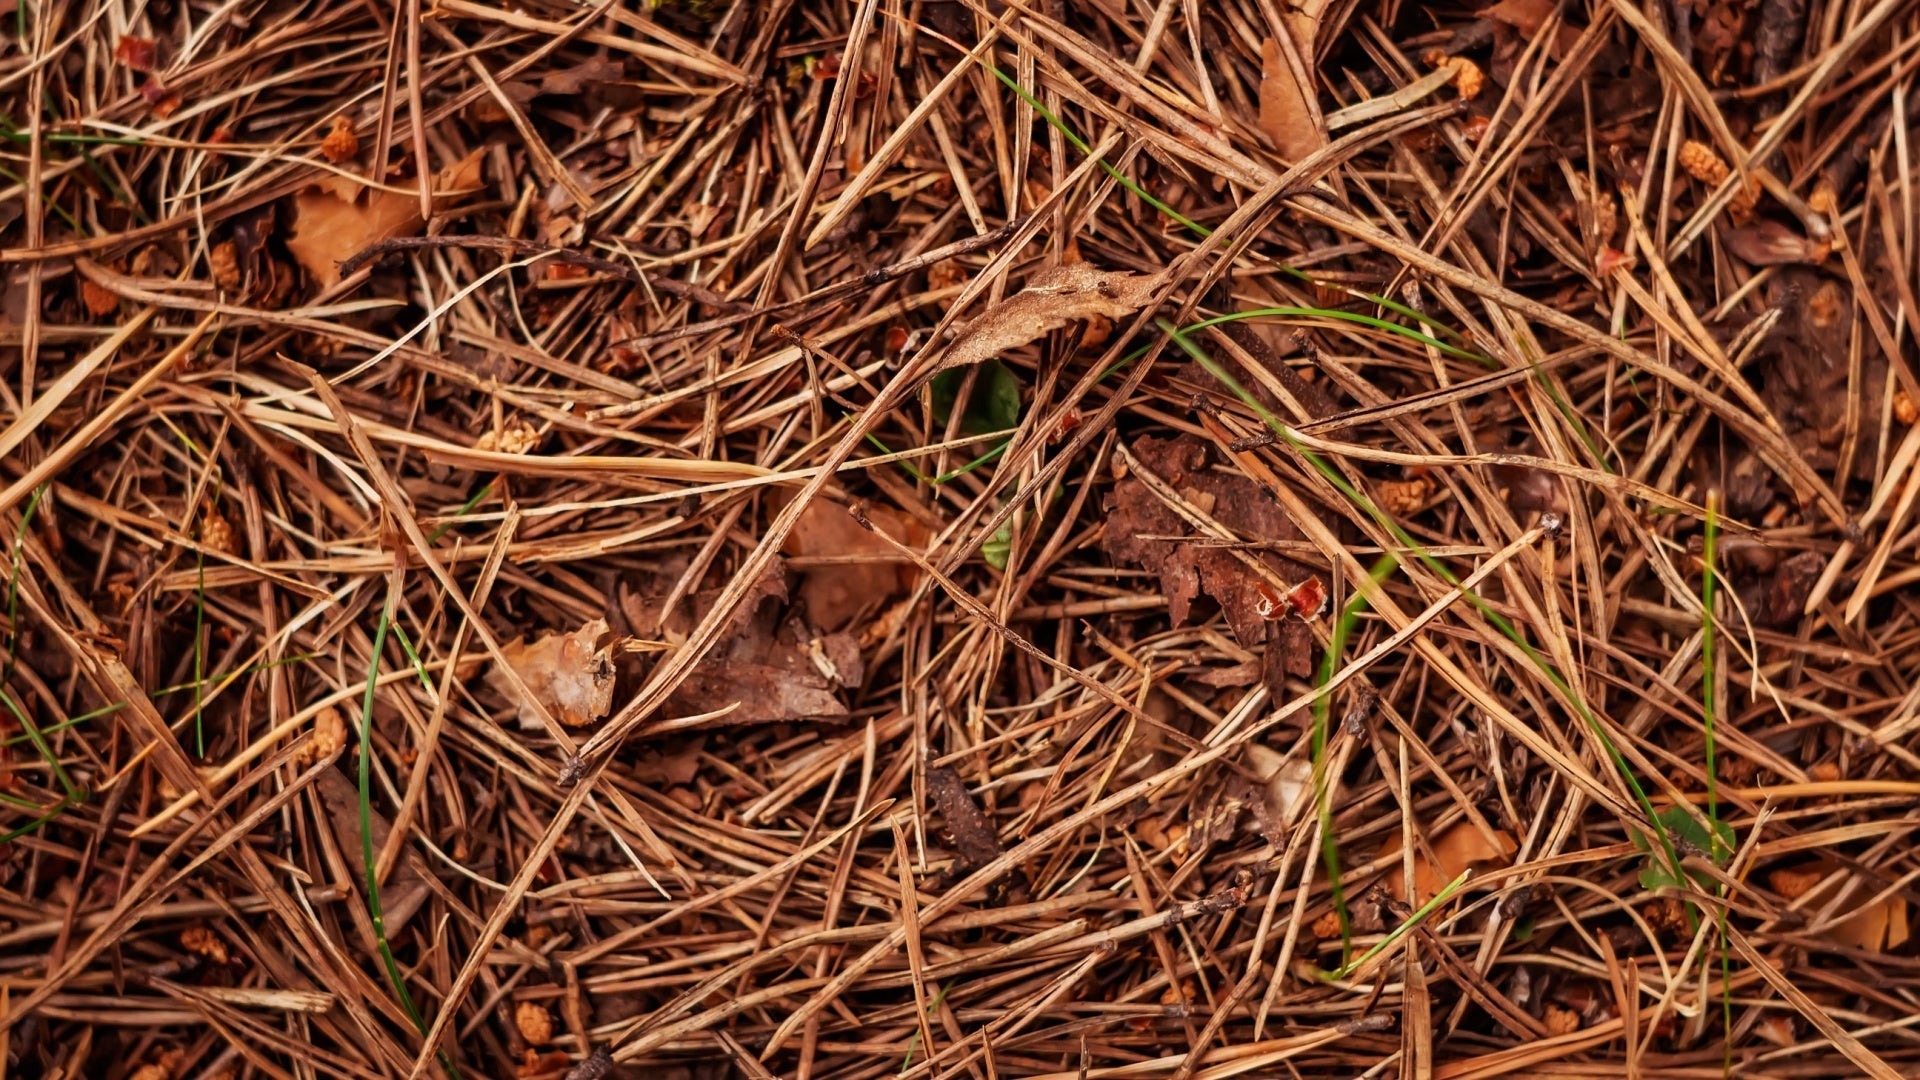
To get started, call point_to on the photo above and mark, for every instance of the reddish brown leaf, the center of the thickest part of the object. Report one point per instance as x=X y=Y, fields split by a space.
x=137 y=53
x=1188 y=570
x=837 y=592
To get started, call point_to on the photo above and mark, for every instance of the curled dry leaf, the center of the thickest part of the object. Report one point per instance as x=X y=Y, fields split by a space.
x=1461 y=848
x=329 y=737
x=1287 y=782
x=1051 y=300
x=1769 y=243
x=341 y=218
x=567 y=672
x=1287 y=112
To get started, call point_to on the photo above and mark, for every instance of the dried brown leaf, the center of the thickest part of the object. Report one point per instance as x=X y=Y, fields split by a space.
x=569 y=81
x=1286 y=110
x=570 y=675
x=1051 y=300
x=1461 y=848
x=834 y=594
x=339 y=218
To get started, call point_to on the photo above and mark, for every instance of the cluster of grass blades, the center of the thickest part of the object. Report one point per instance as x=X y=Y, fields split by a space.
x=1668 y=851
x=369 y=856
x=71 y=793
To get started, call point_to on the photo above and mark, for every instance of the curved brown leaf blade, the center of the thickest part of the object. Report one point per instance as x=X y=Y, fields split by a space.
x=1053 y=299
x=1287 y=114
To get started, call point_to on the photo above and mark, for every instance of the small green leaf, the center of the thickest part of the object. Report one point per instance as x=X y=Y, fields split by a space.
x=1654 y=878
x=993 y=405
x=999 y=547
x=1688 y=829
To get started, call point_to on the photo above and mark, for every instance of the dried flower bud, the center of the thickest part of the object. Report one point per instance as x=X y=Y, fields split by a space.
x=224 y=261
x=216 y=533
x=513 y=439
x=341 y=144
x=1702 y=163
x=534 y=1021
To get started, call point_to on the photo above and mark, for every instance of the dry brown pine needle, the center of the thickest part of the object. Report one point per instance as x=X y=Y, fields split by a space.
x=699 y=502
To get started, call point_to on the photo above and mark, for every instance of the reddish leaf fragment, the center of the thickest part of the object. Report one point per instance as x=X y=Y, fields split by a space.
x=1611 y=259
x=1309 y=598
x=137 y=53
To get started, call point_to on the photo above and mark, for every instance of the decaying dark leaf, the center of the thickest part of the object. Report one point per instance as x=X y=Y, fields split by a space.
x=1188 y=569
x=1804 y=371
x=1788 y=589
x=973 y=836
x=1052 y=299
x=769 y=666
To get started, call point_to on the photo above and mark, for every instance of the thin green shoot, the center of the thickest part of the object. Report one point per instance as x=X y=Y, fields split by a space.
x=367 y=854
x=251 y=669
x=70 y=790
x=1174 y=215
x=1708 y=713
x=199 y=650
x=913 y=1041
x=419 y=667
x=945 y=477
x=13 y=581
x=1333 y=476
x=465 y=509
x=66 y=802
x=1322 y=732
x=1406 y=927
x=1348 y=316
x=63 y=725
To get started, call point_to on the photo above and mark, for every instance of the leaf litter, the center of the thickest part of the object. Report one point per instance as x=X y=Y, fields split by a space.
x=1665 y=268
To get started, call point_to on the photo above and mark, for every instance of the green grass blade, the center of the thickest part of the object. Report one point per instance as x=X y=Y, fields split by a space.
x=13 y=581
x=367 y=853
x=1322 y=731
x=1333 y=476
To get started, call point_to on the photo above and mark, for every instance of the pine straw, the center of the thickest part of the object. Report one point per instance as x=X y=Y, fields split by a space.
x=708 y=268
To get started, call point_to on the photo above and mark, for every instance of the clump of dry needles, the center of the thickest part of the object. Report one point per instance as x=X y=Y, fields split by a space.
x=910 y=538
